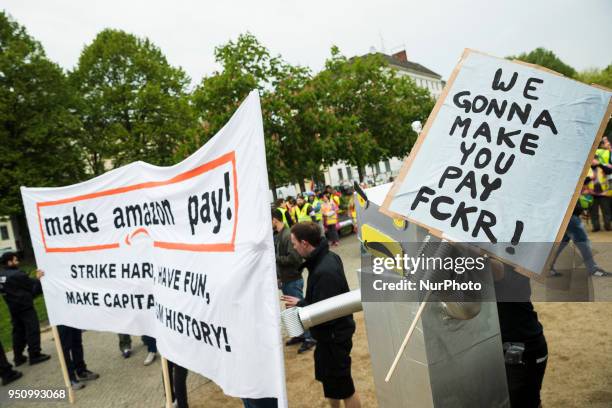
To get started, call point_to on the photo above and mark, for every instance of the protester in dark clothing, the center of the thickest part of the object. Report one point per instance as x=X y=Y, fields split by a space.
x=334 y=339
x=178 y=382
x=72 y=346
x=260 y=402
x=522 y=335
x=7 y=373
x=71 y=340
x=19 y=291
x=289 y=272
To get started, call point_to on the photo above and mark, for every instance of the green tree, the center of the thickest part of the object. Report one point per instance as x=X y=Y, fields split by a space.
x=37 y=147
x=373 y=109
x=547 y=59
x=601 y=77
x=247 y=65
x=134 y=105
x=596 y=76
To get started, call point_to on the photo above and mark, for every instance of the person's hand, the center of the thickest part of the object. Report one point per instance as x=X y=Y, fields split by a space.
x=39 y=273
x=290 y=301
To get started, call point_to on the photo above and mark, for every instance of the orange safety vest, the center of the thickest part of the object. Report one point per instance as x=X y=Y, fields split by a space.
x=330 y=212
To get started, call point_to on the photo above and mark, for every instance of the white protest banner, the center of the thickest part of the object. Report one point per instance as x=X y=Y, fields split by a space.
x=183 y=254
x=501 y=158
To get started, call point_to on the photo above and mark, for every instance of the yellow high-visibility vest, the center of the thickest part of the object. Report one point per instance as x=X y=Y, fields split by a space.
x=302 y=213
x=603 y=182
x=603 y=155
x=284 y=212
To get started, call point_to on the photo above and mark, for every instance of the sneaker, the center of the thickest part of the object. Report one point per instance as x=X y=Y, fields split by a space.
x=150 y=358
x=307 y=345
x=126 y=353
x=554 y=273
x=39 y=358
x=19 y=360
x=87 y=376
x=11 y=376
x=600 y=272
x=294 y=340
x=77 y=385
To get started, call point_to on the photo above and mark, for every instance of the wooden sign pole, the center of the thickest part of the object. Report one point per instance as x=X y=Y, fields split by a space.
x=62 y=360
x=167 y=385
x=417 y=316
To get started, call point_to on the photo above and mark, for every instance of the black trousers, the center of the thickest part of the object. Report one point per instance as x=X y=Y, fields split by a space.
x=605 y=203
x=5 y=367
x=72 y=346
x=525 y=380
x=26 y=331
x=178 y=380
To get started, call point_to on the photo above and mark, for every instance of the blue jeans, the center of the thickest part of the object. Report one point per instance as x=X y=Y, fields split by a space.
x=576 y=232
x=260 y=402
x=296 y=289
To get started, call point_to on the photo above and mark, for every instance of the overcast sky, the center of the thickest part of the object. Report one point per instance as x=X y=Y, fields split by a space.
x=433 y=32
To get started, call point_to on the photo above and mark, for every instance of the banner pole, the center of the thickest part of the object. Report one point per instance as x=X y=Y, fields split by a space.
x=167 y=385
x=408 y=335
x=60 y=355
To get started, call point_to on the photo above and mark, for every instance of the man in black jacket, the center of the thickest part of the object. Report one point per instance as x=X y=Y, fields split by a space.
x=19 y=291
x=335 y=338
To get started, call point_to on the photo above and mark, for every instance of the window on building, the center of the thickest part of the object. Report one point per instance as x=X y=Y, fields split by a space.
x=377 y=168
x=4 y=235
x=387 y=166
x=340 y=174
x=349 y=173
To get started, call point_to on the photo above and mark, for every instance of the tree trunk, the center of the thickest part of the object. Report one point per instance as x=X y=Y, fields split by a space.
x=361 y=172
x=302 y=185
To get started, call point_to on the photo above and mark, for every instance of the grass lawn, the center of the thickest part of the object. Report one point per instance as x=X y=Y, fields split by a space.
x=5 y=318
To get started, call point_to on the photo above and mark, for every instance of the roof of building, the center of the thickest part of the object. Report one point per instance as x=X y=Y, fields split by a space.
x=409 y=65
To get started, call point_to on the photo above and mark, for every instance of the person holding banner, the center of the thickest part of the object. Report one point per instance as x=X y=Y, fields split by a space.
x=71 y=340
x=125 y=346
x=178 y=384
x=7 y=373
x=19 y=291
x=332 y=356
x=524 y=345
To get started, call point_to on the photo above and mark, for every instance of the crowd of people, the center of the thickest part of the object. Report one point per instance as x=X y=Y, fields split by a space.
x=327 y=208
x=597 y=192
